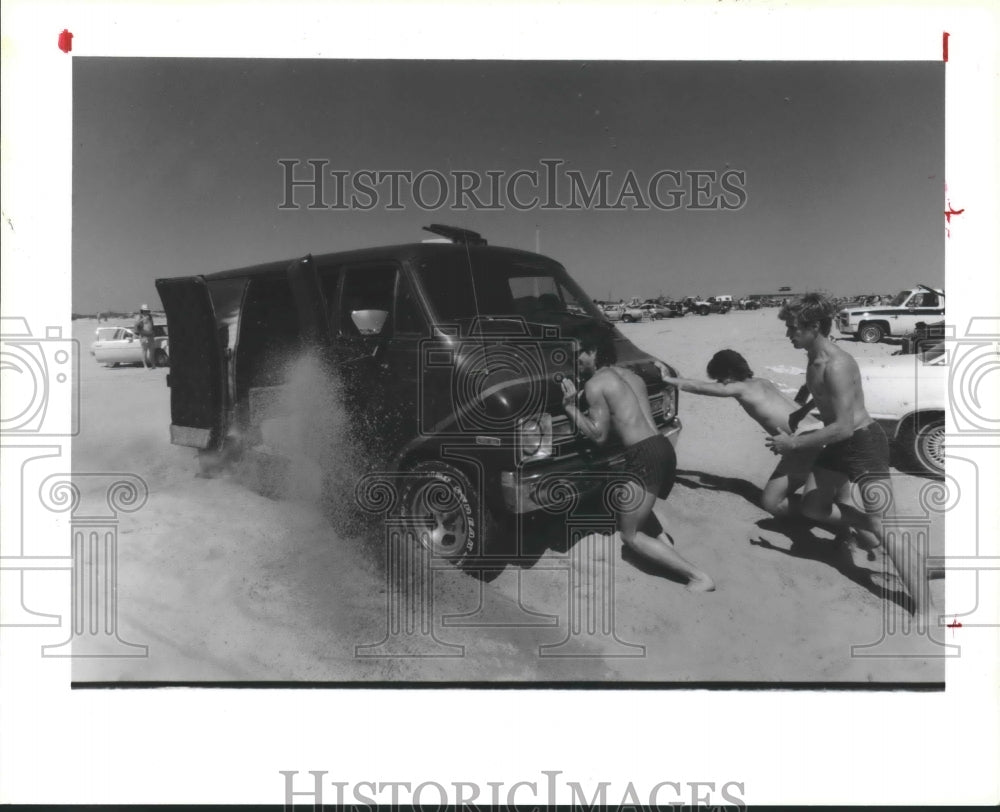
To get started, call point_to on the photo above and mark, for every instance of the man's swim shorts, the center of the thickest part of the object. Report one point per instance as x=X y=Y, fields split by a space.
x=654 y=462
x=864 y=454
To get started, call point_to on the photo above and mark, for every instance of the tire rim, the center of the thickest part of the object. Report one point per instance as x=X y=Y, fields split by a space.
x=931 y=447
x=438 y=519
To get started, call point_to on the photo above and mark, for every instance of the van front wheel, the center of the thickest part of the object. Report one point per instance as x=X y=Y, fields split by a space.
x=444 y=512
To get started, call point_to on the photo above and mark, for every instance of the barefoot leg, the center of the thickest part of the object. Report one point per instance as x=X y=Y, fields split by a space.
x=658 y=550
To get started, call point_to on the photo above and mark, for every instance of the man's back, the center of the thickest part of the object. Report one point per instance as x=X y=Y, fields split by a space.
x=624 y=394
x=765 y=403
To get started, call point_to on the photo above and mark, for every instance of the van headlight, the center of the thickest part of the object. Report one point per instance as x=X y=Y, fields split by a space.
x=535 y=437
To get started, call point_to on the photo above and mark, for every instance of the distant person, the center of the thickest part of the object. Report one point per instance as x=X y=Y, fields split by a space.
x=144 y=329
x=774 y=411
x=853 y=448
x=618 y=402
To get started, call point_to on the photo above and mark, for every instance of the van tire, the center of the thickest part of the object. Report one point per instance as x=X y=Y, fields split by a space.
x=443 y=510
x=161 y=359
x=703 y=311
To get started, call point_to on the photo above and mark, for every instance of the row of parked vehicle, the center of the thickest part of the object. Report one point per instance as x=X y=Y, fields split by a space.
x=653 y=309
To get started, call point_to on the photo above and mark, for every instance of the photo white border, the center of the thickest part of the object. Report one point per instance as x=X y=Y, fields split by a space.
x=227 y=746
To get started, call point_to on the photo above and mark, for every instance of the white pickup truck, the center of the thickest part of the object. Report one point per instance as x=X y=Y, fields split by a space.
x=899 y=317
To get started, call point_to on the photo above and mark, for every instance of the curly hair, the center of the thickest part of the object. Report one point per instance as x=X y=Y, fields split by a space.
x=809 y=308
x=729 y=364
x=598 y=338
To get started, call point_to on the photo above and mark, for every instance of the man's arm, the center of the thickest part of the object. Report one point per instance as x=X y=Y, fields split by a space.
x=596 y=424
x=796 y=417
x=712 y=388
x=839 y=381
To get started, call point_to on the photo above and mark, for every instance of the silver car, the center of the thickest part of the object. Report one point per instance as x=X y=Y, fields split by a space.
x=120 y=345
x=907 y=395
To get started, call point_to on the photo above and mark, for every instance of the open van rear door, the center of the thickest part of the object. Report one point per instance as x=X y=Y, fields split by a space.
x=196 y=364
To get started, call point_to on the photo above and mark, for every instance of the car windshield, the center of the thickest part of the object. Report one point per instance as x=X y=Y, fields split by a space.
x=499 y=286
x=901 y=297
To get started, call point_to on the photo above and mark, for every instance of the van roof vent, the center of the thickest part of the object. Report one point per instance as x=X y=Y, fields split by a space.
x=455 y=234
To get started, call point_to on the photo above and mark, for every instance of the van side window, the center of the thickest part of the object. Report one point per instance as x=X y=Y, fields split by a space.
x=368 y=288
x=409 y=319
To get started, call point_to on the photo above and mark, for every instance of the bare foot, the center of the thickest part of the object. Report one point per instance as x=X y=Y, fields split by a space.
x=700 y=583
x=863 y=540
x=868 y=541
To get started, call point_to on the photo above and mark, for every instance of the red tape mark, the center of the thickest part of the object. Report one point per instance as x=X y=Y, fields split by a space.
x=954 y=625
x=65 y=41
x=944 y=45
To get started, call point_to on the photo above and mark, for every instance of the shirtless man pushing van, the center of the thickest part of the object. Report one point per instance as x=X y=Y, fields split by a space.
x=852 y=447
x=618 y=402
x=774 y=411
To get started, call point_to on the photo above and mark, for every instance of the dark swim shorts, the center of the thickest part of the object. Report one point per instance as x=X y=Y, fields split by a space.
x=654 y=462
x=864 y=453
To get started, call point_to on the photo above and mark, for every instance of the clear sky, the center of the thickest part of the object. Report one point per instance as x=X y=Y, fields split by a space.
x=175 y=167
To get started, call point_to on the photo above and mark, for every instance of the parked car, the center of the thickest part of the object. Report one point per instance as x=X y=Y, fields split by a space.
x=871 y=324
x=907 y=395
x=449 y=358
x=654 y=311
x=623 y=312
x=713 y=304
x=747 y=303
x=613 y=312
x=120 y=345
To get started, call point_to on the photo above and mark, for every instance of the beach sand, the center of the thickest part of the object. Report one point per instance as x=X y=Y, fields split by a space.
x=223 y=583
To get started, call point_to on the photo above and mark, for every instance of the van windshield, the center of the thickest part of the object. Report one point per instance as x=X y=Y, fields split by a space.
x=901 y=297
x=502 y=286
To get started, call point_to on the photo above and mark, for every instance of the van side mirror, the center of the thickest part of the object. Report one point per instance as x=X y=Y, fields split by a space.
x=369 y=322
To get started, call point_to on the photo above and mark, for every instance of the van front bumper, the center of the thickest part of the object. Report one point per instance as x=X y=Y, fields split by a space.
x=545 y=486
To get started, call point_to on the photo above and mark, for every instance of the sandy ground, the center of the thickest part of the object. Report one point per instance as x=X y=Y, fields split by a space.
x=225 y=584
